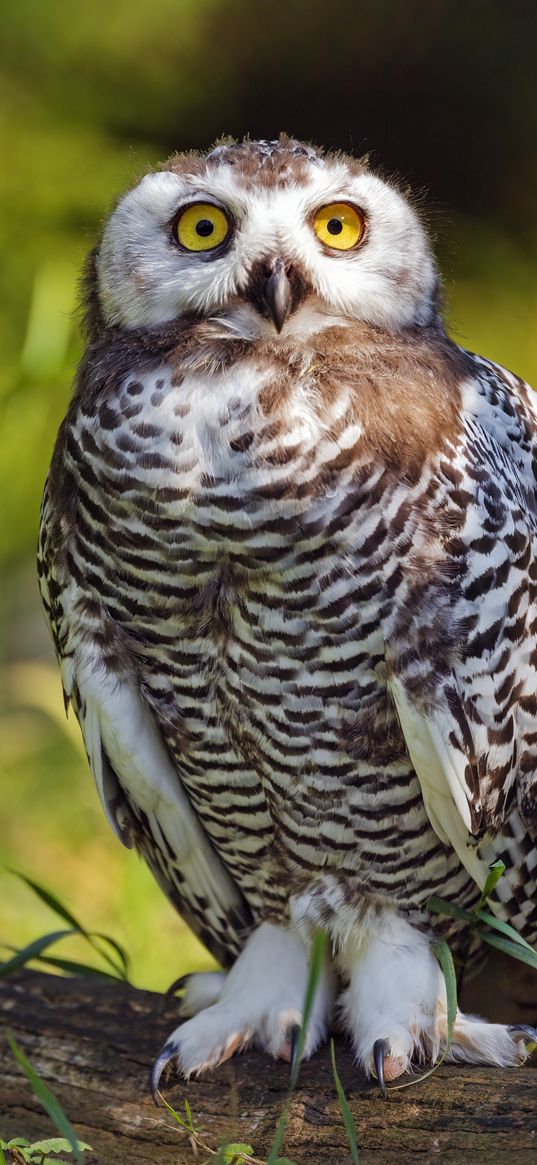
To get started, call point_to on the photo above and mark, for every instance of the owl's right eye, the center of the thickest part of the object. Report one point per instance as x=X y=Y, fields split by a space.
x=202 y=227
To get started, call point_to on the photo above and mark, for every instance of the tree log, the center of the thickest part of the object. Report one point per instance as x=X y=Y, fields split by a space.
x=93 y=1041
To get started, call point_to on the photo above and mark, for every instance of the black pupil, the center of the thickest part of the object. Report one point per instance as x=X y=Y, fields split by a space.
x=204 y=227
x=334 y=226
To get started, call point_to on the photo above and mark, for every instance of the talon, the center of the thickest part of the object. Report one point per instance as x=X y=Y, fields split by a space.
x=161 y=1062
x=381 y=1049
x=294 y=1037
x=178 y=985
x=523 y=1031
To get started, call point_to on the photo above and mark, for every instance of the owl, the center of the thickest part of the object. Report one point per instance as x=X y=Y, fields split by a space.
x=288 y=554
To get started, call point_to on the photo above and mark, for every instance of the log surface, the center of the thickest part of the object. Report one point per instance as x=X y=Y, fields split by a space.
x=94 y=1041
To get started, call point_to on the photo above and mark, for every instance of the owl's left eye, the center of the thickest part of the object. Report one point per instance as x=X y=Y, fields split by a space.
x=202 y=226
x=339 y=226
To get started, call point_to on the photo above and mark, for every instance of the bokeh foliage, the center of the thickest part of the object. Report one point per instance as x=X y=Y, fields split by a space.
x=444 y=94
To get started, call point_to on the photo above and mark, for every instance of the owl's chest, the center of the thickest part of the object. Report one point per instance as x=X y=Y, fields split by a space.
x=219 y=464
x=250 y=531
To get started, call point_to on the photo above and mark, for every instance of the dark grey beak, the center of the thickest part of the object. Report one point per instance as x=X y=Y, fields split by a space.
x=275 y=289
x=278 y=294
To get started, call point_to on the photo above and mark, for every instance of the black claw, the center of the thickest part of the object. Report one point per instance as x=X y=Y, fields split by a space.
x=161 y=1062
x=178 y=985
x=380 y=1050
x=523 y=1031
x=294 y=1037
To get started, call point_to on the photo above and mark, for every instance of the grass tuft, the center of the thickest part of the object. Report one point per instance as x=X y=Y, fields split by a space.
x=106 y=947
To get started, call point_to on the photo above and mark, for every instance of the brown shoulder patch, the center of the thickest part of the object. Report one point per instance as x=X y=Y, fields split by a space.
x=405 y=389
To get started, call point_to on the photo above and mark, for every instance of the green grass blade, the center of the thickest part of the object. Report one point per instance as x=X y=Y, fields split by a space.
x=51 y=901
x=440 y=906
x=124 y=961
x=48 y=1100
x=34 y=948
x=75 y=967
x=2 y=1157
x=273 y=1156
x=442 y=952
x=504 y=928
x=516 y=951
x=188 y=1114
x=317 y=958
x=95 y=940
x=345 y=1110
x=178 y=1119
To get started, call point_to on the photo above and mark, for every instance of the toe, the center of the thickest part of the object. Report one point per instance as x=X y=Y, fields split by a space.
x=380 y=1050
x=162 y=1061
x=387 y=1066
x=201 y=990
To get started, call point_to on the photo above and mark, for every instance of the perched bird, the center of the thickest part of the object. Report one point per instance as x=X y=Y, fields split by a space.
x=289 y=557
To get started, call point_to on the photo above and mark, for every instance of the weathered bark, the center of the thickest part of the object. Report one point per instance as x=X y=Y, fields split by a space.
x=94 y=1042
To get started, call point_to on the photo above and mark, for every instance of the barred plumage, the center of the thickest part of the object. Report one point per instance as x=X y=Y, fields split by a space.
x=288 y=557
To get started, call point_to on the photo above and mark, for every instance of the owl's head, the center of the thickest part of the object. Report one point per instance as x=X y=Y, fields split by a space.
x=268 y=238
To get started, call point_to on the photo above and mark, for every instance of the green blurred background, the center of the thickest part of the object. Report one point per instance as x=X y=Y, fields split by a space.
x=442 y=93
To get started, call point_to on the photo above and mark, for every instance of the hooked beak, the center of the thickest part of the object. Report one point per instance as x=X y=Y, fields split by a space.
x=278 y=294
x=276 y=289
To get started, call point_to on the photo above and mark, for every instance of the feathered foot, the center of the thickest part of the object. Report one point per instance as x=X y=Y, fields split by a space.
x=395 y=1009
x=260 y=1001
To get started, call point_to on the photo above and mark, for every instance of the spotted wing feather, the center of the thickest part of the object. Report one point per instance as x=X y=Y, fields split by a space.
x=137 y=782
x=473 y=741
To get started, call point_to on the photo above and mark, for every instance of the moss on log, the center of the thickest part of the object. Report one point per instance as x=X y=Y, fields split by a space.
x=94 y=1042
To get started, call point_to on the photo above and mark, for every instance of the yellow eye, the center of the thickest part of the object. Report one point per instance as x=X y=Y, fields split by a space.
x=339 y=226
x=202 y=227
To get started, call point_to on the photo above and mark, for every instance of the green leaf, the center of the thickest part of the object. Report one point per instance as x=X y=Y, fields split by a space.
x=496 y=871
x=345 y=1110
x=57 y=1145
x=516 y=951
x=504 y=928
x=230 y=1154
x=440 y=906
x=34 y=948
x=47 y=1098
